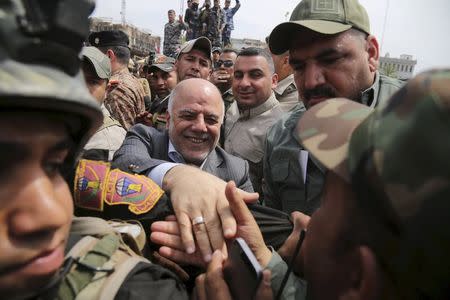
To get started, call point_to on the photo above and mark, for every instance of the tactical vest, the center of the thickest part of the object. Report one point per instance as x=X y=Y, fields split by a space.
x=99 y=262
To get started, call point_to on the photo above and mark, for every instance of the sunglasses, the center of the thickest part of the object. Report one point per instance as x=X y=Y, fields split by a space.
x=226 y=63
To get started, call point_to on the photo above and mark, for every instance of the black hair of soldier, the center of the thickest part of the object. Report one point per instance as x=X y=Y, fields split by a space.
x=123 y=54
x=229 y=50
x=254 y=51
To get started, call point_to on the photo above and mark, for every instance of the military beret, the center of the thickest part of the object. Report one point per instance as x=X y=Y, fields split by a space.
x=109 y=38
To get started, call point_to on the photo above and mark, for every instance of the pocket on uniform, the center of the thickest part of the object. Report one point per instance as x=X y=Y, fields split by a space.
x=280 y=171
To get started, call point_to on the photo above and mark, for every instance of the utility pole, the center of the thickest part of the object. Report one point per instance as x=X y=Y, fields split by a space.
x=123 y=12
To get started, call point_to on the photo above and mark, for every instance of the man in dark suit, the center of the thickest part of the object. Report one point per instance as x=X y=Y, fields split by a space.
x=194 y=117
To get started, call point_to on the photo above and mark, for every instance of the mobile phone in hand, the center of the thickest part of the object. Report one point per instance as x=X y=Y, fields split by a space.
x=242 y=271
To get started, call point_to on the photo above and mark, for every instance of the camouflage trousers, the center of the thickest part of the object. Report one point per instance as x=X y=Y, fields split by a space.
x=216 y=39
x=171 y=51
x=226 y=36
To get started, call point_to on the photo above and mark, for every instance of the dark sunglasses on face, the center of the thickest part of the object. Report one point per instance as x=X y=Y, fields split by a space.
x=226 y=63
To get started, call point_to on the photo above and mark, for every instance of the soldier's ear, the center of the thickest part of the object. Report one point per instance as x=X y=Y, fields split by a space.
x=373 y=52
x=274 y=80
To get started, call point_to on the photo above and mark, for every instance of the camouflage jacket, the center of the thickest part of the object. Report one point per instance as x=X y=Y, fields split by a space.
x=285 y=188
x=192 y=20
x=172 y=35
x=215 y=22
x=125 y=98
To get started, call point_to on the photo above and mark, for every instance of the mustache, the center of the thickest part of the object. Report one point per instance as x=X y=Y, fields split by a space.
x=320 y=91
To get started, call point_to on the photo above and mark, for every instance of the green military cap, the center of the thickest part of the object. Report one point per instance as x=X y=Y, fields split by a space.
x=163 y=63
x=202 y=43
x=324 y=17
x=397 y=160
x=98 y=60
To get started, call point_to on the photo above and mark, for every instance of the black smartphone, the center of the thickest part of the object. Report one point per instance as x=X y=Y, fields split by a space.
x=242 y=271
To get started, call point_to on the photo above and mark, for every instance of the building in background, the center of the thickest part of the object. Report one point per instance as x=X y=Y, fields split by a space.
x=141 y=41
x=401 y=68
x=238 y=44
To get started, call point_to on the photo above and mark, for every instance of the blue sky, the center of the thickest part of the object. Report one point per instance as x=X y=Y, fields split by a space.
x=420 y=28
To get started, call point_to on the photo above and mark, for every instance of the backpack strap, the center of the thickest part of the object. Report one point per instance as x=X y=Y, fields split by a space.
x=87 y=266
x=114 y=282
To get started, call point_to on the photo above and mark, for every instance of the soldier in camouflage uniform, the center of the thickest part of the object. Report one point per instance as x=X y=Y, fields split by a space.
x=396 y=163
x=46 y=116
x=343 y=27
x=192 y=19
x=215 y=23
x=125 y=99
x=172 y=34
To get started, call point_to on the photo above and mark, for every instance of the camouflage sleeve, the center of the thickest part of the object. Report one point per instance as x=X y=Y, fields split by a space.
x=125 y=104
x=223 y=19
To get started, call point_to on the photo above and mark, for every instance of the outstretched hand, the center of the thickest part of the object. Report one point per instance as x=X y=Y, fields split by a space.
x=212 y=285
x=196 y=194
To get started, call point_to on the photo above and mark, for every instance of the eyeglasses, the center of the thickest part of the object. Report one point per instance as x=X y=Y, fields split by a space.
x=225 y=63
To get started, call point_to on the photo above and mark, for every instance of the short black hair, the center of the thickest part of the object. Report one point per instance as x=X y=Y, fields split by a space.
x=122 y=53
x=230 y=50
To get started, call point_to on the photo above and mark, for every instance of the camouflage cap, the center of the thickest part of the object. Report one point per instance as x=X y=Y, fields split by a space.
x=98 y=60
x=399 y=155
x=324 y=17
x=216 y=49
x=202 y=43
x=163 y=63
x=325 y=130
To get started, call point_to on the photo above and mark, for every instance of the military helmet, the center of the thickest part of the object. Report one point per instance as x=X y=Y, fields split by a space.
x=40 y=64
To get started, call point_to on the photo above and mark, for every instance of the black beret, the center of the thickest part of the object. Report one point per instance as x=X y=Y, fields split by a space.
x=109 y=38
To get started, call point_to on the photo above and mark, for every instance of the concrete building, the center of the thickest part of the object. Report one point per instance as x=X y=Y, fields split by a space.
x=401 y=68
x=238 y=44
x=141 y=41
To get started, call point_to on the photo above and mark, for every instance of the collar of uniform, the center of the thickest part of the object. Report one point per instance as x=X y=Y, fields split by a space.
x=267 y=105
x=121 y=71
x=284 y=84
x=369 y=97
x=105 y=111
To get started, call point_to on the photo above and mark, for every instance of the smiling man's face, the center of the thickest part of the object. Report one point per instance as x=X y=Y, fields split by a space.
x=195 y=119
x=35 y=202
x=253 y=81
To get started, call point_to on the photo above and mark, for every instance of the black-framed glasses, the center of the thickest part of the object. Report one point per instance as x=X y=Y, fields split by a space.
x=225 y=63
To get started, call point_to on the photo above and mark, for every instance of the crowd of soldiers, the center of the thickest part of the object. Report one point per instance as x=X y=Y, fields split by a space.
x=119 y=187
x=214 y=22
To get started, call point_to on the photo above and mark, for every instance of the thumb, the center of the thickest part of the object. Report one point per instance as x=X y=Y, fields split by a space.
x=237 y=204
x=301 y=221
x=249 y=198
x=264 y=291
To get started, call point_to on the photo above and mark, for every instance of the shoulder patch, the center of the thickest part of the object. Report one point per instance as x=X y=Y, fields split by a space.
x=95 y=184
